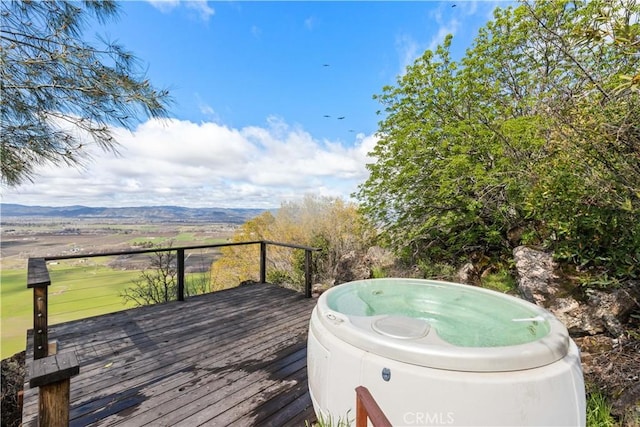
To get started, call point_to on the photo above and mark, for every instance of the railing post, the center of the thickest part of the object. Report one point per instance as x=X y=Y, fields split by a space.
x=367 y=408
x=52 y=375
x=307 y=273
x=38 y=279
x=180 y=272
x=263 y=262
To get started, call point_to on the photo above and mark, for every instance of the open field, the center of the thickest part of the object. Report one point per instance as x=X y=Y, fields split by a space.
x=85 y=287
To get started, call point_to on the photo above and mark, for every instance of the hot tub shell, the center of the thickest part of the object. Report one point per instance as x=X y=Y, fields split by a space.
x=419 y=378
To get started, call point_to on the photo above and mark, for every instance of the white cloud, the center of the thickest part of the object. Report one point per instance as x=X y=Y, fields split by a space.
x=201 y=7
x=408 y=51
x=449 y=26
x=470 y=7
x=206 y=109
x=164 y=6
x=178 y=162
x=310 y=23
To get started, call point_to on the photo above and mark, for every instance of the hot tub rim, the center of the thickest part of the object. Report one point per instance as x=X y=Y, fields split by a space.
x=436 y=353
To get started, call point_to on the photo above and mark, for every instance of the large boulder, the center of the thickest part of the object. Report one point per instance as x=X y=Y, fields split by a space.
x=597 y=320
x=358 y=266
x=351 y=266
x=379 y=257
x=537 y=280
x=583 y=313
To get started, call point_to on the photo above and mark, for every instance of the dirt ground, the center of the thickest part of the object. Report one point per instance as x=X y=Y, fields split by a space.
x=24 y=239
x=12 y=383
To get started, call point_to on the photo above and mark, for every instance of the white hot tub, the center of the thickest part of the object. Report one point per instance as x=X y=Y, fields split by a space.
x=439 y=353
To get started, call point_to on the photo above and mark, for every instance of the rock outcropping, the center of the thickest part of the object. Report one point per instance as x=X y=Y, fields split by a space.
x=583 y=311
x=353 y=266
x=598 y=320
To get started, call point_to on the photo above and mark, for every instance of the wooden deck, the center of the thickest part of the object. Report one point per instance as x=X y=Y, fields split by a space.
x=235 y=357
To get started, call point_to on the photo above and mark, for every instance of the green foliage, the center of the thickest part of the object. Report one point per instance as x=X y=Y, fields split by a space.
x=378 y=273
x=599 y=411
x=142 y=243
x=527 y=139
x=59 y=93
x=436 y=271
x=329 y=421
x=607 y=25
x=280 y=277
x=197 y=283
x=598 y=280
x=501 y=281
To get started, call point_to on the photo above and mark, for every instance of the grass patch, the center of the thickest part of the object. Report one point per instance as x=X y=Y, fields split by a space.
x=500 y=281
x=17 y=307
x=599 y=411
x=437 y=271
x=77 y=291
x=329 y=421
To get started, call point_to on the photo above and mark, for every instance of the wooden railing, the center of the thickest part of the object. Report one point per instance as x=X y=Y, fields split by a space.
x=39 y=280
x=51 y=372
x=367 y=409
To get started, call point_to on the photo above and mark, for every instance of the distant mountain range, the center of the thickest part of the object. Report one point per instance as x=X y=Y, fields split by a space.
x=142 y=213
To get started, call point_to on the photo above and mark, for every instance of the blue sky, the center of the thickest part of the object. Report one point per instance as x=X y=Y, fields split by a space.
x=252 y=84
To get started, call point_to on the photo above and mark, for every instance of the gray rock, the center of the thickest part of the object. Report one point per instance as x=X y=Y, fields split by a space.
x=351 y=267
x=601 y=311
x=536 y=275
x=467 y=274
x=577 y=318
x=379 y=257
x=614 y=307
x=627 y=404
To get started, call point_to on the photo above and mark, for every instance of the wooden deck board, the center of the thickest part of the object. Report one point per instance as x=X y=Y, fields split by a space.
x=236 y=357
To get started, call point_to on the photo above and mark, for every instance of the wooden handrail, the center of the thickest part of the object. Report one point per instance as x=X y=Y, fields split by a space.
x=38 y=279
x=367 y=408
x=173 y=248
x=180 y=258
x=52 y=373
x=148 y=251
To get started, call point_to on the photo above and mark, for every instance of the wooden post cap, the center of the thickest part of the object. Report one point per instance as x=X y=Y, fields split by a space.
x=37 y=273
x=52 y=369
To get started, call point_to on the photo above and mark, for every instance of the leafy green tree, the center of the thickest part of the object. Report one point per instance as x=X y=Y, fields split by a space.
x=527 y=139
x=59 y=93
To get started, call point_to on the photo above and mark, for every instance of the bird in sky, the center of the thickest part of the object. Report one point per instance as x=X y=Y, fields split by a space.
x=341 y=117
x=326 y=115
x=325 y=65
